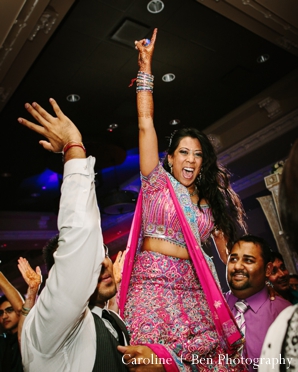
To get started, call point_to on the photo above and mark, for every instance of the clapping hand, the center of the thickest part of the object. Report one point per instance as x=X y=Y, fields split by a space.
x=118 y=266
x=31 y=277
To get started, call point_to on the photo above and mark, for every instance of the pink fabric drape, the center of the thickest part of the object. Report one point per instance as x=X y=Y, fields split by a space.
x=162 y=352
x=222 y=316
x=131 y=249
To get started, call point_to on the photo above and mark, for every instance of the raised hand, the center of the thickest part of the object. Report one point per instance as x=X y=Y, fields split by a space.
x=59 y=130
x=146 y=52
x=118 y=266
x=31 y=277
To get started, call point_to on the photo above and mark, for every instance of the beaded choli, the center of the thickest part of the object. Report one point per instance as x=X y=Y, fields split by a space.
x=158 y=212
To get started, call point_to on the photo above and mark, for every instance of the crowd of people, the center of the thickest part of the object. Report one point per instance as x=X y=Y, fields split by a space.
x=169 y=312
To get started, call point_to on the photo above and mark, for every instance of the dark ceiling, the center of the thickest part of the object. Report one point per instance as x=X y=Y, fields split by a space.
x=219 y=87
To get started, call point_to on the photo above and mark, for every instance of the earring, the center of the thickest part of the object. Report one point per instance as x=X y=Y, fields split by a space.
x=171 y=167
x=200 y=175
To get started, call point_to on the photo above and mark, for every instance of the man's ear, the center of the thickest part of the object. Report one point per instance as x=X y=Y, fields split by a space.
x=269 y=268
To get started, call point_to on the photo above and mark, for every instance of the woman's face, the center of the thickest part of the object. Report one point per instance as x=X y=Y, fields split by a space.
x=187 y=161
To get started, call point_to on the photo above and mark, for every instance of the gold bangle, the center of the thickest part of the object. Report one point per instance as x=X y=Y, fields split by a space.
x=25 y=311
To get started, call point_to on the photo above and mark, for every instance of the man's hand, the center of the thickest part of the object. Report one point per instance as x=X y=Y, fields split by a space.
x=58 y=130
x=140 y=359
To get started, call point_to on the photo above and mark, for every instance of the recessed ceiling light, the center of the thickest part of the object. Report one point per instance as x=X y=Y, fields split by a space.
x=155 y=6
x=35 y=195
x=175 y=122
x=5 y=174
x=73 y=98
x=263 y=58
x=167 y=78
x=111 y=127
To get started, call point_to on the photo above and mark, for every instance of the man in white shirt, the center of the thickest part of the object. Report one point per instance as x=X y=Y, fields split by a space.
x=59 y=333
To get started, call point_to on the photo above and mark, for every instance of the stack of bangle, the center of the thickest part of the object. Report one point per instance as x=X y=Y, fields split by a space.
x=144 y=82
x=25 y=311
x=71 y=144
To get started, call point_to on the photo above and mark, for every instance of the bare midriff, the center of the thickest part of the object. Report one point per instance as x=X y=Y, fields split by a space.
x=164 y=247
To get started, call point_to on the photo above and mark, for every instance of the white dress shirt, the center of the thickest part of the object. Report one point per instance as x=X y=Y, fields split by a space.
x=59 y=332
x=271 y=356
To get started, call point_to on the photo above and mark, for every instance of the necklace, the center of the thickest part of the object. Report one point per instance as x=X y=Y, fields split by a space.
x=194 y=192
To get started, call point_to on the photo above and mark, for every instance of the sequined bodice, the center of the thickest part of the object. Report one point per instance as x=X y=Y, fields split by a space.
x=159 y=217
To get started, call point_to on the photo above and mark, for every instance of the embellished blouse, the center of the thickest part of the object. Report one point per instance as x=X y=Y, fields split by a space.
x=159 y=216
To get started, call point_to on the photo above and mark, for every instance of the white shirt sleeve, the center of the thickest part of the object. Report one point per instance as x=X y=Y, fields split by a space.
x=78 y=260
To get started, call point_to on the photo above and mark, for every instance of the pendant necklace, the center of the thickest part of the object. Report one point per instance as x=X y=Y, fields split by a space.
x=194 y=192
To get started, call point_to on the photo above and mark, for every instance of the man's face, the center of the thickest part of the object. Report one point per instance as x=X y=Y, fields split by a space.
x=8 y=317
x=279 y=277
x=294 y=284
x=106 y=287
x=246 y=273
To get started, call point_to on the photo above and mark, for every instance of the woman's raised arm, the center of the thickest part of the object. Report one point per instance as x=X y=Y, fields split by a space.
x=148 y=144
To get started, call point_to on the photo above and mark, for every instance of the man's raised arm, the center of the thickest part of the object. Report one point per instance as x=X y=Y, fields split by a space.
x=72 y=279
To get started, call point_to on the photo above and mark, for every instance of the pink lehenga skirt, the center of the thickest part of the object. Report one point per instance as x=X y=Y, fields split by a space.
x=166 y=305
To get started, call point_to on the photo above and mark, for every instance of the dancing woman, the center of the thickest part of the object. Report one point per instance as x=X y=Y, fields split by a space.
x=170 y=296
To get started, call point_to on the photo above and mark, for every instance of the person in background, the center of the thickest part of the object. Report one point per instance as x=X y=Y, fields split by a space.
x=170 y=297
x=294 y=282
x=10 y=356
x=12 y=308
x=280 y=279
x=248 y=264
x=11 y=304
x=281 y=338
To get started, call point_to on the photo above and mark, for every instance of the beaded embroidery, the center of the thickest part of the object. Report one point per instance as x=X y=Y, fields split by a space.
x=160 y=219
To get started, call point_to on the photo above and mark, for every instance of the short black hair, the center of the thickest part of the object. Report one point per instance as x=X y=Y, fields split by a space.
x=275 y=255
x=294 y=276
x=48 y=251
x=266 y=251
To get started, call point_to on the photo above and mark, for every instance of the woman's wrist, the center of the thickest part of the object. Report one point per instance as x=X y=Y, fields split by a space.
x=145 y=68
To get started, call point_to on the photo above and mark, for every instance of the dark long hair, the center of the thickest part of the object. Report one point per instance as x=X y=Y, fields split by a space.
x=214 y=185
x=288 y=197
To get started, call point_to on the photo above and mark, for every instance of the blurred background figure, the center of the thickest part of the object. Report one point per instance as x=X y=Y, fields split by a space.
x=281 y=339
x=10 y=309
x=280 y=279
x=294 y=282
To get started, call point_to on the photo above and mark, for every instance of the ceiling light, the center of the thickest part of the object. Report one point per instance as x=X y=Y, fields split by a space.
x=111 y=127
x=155 y=6
x=263 y=58
x=167 y=78
x=174 y=122
x=73 y=98
x=5 y=174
